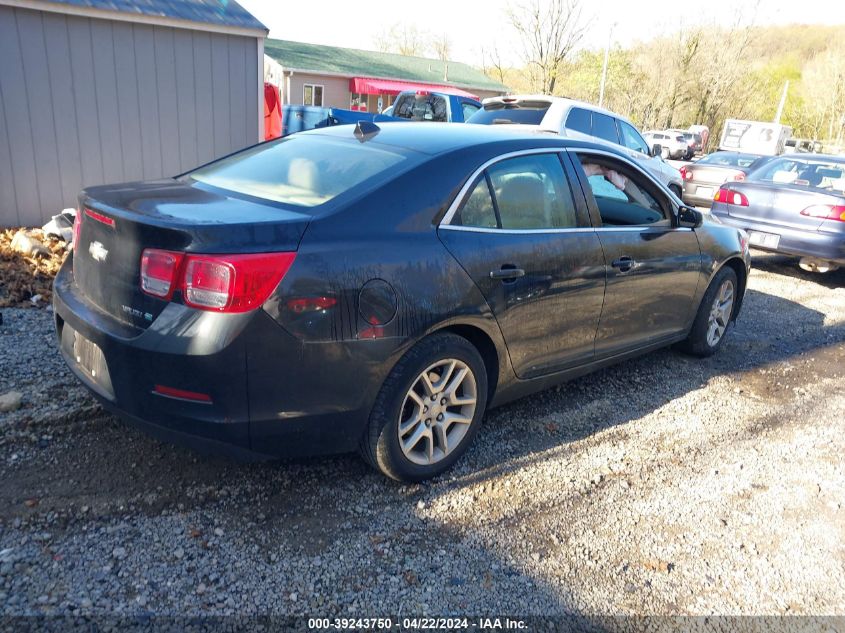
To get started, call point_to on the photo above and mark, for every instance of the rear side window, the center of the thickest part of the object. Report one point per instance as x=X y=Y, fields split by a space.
x=528 y=192
x=421 y=108
x=303 y=170
x=477 y=210
x=579 y=120
x=532 y=192
x=605 y=127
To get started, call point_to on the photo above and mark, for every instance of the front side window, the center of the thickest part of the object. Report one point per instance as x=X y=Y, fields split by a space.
x=605 y=127
x=301 y=170
x=631 y=138
x=623 y=196
x=312 y=95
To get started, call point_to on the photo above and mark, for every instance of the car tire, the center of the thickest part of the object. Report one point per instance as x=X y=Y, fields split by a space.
x=415 y=402
x=715 y=315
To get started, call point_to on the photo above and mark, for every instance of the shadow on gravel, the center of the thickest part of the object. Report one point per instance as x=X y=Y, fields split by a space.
x=97 y=471
x=788 y=267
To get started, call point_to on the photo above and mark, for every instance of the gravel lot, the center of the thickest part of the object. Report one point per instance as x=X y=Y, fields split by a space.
x=666 y=485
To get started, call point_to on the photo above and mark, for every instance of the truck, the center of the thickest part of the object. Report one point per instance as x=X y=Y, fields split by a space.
x=410 y=105
x=754 y=137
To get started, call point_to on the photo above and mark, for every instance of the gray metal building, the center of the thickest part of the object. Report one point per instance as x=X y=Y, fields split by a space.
x=99 y=91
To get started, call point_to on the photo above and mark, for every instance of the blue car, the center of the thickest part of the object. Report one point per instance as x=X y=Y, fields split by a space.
x=793 y=204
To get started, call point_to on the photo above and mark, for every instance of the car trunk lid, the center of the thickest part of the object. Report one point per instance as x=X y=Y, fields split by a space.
x=120 y=221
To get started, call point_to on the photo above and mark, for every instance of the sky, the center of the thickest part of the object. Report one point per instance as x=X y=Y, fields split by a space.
x=471 y=25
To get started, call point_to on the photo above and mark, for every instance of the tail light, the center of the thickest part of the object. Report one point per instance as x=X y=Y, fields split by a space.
x=224 y=283
x=686 y=174
x=826 y=212
x=158 y=272
x=102 y=219
x=729 y=196
x=77 y=227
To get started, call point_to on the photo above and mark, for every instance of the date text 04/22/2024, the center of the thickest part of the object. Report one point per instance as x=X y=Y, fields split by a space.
x=417 y=623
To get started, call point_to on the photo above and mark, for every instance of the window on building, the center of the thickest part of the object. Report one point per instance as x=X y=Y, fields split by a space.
x=312 y=95
x=358 y=101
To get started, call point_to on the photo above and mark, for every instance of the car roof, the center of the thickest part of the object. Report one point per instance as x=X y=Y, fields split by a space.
x=439 y=138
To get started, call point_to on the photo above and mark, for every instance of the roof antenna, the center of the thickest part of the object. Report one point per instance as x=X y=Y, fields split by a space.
x=365 y=130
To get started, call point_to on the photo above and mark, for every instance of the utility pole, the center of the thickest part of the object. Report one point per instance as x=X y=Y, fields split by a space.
x=782 y=101
x=604 y=67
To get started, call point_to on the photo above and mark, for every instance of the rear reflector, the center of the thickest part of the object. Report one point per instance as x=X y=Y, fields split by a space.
x=729 y=196
x=233 y=283
x=77 y=227
x=826 y=212
x=104 y=219
x=158 y=272
x=181 y=394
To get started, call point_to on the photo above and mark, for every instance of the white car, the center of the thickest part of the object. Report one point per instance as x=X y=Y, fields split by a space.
x=577 y=119
x=672 y=142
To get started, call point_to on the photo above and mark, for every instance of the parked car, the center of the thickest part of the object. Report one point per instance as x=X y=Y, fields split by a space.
x=694 y=143
x=704 y=132
x=379 y=289
x=793 y=204
x=410 y=105
x=704 y=177
x=673 y=144
x=579 y=120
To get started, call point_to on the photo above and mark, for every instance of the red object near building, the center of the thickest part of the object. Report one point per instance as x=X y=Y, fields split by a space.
x=272 y=112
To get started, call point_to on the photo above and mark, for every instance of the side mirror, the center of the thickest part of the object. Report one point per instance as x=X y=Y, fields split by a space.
x=689 y=218
x=656 y=149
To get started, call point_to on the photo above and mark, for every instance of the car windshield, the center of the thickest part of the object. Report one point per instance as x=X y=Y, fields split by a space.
x=303 y=170
x=812 y=174
x=526 y=114
x=729 y=159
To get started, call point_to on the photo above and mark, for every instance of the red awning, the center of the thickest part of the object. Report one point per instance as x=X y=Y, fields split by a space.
x=370 y=86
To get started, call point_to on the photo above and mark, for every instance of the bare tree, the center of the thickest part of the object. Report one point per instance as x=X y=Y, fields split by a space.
x=442 y=47
x=491 y=63
x=548 y=31
x=405 y=39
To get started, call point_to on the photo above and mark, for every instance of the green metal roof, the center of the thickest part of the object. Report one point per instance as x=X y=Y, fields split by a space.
x=355 y=62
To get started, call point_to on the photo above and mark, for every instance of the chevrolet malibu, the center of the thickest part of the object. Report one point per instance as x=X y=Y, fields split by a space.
x=378 y=288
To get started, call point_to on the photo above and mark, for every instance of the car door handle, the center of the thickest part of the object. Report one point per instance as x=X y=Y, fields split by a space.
x=624 y=264
x=507 y=273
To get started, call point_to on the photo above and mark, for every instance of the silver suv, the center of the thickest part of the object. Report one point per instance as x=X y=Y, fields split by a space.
x=577 y=119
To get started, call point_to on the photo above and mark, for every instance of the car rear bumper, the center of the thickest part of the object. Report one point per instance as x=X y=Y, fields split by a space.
x=267 y=395
x=693 y=196
x=800 y=243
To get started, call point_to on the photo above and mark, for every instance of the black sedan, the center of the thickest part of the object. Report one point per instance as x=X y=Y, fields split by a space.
x=703 y=178
x=378 y=288
x=792 y=204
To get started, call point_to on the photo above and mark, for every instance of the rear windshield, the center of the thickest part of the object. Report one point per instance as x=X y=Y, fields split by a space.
x=729 y=159
x=493 y=113
x=421 y=108
x=303 y=170
x=812 y=174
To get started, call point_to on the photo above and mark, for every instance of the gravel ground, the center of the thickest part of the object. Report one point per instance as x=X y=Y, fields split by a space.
x=665 y=485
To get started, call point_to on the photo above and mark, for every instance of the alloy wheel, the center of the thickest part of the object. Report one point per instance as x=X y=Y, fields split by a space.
x=437 y=411
x=720 y=313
